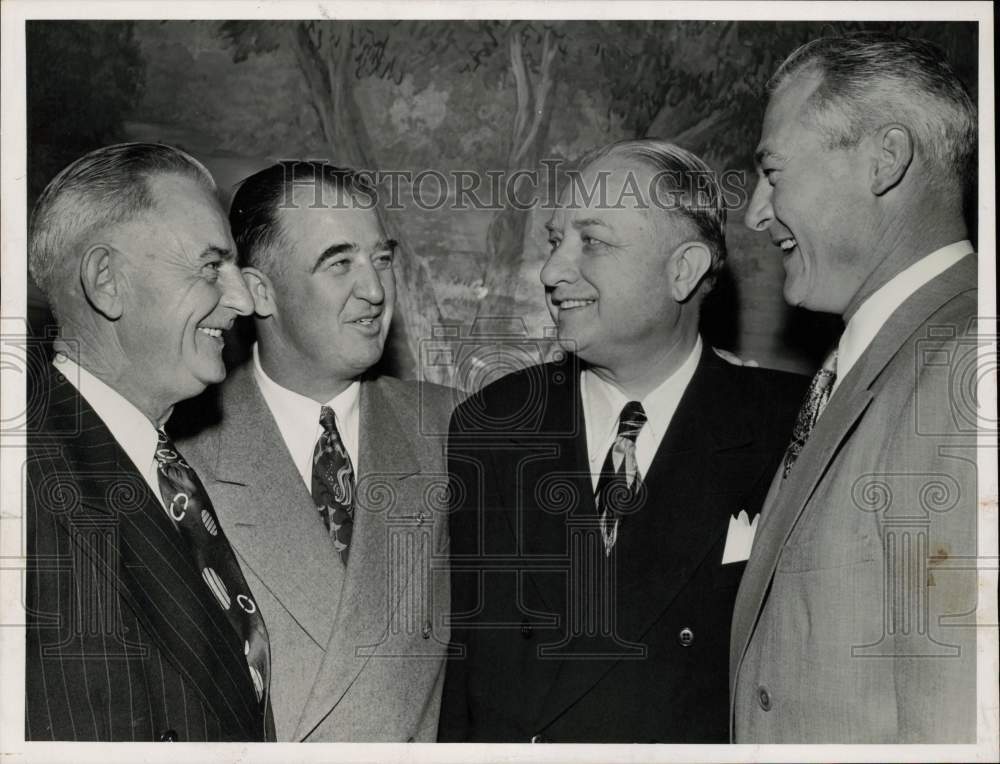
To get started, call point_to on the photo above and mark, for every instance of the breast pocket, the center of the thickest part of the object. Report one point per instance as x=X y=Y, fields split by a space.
x=825 y=555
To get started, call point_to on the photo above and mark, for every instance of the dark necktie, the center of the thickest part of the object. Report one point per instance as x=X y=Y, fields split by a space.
x=333 y=483
x=618 y=488
x=191 y=511
x=816 y=399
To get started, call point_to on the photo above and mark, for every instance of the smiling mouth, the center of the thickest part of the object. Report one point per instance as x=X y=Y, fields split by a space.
x=368 y=323
x=212 y=331
x=786 y=245
x=572 y=304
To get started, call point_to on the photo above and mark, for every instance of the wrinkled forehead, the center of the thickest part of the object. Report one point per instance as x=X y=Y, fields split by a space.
x=616 y=190
x=338 y=217
x=789 y=108
x=184 y=212
x=319 y=194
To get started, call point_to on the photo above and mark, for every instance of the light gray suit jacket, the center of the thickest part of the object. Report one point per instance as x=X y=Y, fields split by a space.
x=357 y=654
x=855 y=617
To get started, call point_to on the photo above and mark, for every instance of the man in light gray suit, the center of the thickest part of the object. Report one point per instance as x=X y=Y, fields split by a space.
x=855 y=618
x=325 y=473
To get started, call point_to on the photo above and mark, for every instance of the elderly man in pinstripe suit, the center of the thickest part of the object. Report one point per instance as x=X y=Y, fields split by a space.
x=140 y=624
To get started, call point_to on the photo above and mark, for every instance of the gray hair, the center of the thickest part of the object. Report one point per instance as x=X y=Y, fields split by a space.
x=869 y=79
x=106 y=187
x=692 y=185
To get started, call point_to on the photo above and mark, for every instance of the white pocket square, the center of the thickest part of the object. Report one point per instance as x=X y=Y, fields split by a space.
x=739 y=538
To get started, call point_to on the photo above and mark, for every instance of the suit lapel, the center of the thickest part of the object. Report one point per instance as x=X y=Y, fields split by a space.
x=787 y=499
x=661 y=546
x=685 y=514
x=388 y=458
x=268 y=513
x=553 y=483
x=159 y=581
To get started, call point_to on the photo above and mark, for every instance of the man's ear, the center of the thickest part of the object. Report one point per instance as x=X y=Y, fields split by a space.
x=261 y=290
x=893 y=155
x=688 y=265
x=101 y=282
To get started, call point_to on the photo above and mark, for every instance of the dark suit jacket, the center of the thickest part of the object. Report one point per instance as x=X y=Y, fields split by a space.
x=651 y=665
x=124 y=639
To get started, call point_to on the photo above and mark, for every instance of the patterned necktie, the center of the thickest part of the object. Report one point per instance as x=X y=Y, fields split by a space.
x=620 y=481
x=816 y=399
x=333 y=483
x=191 y=511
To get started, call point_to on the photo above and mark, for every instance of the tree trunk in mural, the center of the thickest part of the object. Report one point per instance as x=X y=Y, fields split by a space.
x=325 y=57
x=505 y=236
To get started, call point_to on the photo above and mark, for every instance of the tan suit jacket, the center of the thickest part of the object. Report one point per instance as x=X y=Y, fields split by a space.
x=854 y=621
x=357 y=654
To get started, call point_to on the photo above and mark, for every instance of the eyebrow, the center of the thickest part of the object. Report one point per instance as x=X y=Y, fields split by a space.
x=350 y=248
x=578 y=224
x=765 y=153
x=213 y=251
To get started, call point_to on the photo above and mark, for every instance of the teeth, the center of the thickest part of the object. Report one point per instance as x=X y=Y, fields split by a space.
x=210 y=331
x=574 y=303
x=787 y=245
x=366 y=321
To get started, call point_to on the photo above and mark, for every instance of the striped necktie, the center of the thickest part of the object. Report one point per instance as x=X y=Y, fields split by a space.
x=620 y=481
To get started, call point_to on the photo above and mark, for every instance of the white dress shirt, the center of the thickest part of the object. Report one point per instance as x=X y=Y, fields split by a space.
x=871 y=316
x=129 y=426
x=298 y=419
x=603 y=404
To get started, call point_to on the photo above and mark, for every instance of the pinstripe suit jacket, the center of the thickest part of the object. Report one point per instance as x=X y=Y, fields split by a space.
x=124 y=640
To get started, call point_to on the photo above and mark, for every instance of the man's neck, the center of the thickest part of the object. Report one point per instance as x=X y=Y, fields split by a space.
x=119 y=380
x=292 y=376
x=638 y=379
x=905 y=243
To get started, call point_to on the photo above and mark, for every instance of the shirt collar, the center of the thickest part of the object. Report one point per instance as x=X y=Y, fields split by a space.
x=603 y=403
x=127 y=425
x=293 y=411
x=872 y=314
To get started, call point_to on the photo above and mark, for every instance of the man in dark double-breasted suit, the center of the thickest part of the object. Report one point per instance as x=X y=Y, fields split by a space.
x=605 y=502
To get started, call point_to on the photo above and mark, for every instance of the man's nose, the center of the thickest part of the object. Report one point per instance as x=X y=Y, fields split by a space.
x=234 y=291
x=560 y=267
x=759 y=213
x=368 y=285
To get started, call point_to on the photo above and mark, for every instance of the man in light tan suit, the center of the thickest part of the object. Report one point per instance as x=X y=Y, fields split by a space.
x=326 y=475
x=855 y=618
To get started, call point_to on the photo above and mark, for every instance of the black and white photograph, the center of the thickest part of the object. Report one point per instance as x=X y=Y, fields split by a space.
x=561 y=381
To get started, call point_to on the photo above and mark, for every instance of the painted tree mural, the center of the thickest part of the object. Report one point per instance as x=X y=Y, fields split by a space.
x=417 y=95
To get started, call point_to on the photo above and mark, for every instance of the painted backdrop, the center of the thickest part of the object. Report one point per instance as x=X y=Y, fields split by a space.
x=431 y=100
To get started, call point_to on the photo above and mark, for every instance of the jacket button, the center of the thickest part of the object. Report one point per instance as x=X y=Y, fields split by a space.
x=526 y=630
x=764 y=699
x=685 y=636
x=426 y=633
x=538 y=739
x=168 y=736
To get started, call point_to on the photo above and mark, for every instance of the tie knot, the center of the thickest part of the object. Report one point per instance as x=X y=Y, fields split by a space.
x=631 y=420
x=328 y=419
x=165 y=449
